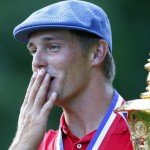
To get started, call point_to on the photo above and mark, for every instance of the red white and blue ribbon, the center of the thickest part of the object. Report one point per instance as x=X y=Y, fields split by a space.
x=103 y=128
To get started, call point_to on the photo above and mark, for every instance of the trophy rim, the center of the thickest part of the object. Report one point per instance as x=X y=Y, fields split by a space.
x=138 y=104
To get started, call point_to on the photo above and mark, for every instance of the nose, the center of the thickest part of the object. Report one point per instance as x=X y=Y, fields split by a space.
x=39 y=60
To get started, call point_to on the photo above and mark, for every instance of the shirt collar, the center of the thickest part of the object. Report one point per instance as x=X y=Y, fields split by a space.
x=121 y=128
x=66 y=131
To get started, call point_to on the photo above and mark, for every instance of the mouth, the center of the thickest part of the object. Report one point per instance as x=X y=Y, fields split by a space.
x=52 y=78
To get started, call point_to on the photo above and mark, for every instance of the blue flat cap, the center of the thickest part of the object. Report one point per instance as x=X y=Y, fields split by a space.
x=70 y=14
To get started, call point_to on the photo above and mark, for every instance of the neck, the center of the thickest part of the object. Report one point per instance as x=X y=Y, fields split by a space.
x=84 y=114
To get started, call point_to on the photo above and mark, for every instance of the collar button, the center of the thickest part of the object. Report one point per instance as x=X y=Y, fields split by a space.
x=79 y=146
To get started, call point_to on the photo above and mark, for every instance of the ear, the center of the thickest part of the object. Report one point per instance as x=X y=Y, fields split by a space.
x=99 y=53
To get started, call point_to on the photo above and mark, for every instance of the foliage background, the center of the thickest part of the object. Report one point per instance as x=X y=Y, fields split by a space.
x=131 y=45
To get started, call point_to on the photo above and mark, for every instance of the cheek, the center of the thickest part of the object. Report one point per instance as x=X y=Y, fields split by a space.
x=76 y=75
x=61 y=61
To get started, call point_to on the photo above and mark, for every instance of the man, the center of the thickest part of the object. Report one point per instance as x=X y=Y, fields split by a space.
x=73 y=68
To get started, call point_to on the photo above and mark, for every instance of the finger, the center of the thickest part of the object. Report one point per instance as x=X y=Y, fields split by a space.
x=48 y=105
x=42 y=93
x=29 y=88
x=35 y=87
x=31 y=83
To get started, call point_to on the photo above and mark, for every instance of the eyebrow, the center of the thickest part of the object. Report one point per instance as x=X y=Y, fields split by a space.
x=47 y=38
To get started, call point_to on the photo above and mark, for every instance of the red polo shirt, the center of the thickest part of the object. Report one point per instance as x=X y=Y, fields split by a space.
x=118 y=139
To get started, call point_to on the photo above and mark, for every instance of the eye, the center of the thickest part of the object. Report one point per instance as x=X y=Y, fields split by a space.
x=53 y=48
x=32 y=52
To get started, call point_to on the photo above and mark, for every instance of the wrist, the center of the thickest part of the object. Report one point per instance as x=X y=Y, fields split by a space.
x=21 y=146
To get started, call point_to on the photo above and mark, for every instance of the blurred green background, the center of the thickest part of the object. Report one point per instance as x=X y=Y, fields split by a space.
x=130 y=20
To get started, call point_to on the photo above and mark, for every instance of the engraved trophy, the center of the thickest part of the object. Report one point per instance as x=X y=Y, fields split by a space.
x=138 y=117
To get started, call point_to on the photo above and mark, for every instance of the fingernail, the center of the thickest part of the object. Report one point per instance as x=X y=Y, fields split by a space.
x=35 y=74
x=41 y=72
x=53 y=96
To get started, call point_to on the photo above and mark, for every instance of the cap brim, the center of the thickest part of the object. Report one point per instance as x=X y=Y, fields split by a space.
x=23 y=34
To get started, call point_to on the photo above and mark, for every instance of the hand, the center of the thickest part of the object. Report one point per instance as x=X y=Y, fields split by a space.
x=34 y=113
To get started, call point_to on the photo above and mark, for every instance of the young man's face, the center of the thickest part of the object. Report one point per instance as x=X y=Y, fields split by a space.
x=60 y=54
